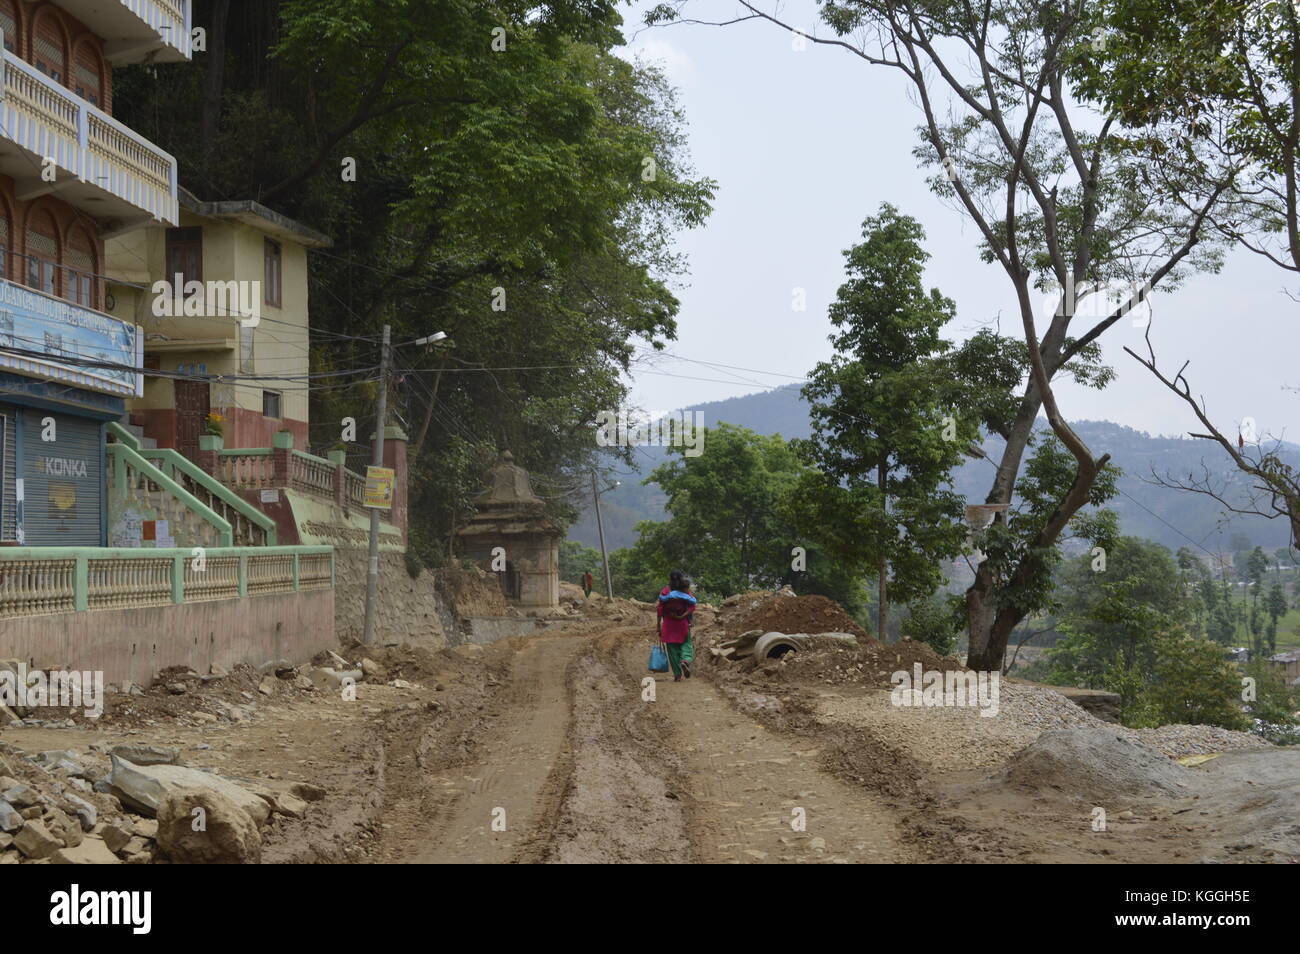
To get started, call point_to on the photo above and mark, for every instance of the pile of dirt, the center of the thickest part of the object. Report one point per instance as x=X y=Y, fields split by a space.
x=472 y=592
x=834 y=663
x=418 y=664
x=786 y=613
x=182 y=694
x=1096 y=765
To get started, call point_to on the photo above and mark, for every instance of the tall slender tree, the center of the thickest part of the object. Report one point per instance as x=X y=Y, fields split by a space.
x=885 y=438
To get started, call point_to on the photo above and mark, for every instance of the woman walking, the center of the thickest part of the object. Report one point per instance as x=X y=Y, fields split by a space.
x=676 y=604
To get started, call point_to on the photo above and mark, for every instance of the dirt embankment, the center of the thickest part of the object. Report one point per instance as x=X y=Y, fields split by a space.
x=971 y=785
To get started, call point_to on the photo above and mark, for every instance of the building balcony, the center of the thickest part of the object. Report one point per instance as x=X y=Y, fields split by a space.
x=97 y=164
x=136 y=31
x=56 y=340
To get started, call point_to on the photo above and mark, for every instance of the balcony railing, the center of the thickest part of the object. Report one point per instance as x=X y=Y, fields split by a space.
x=284 y=467
x=42 y=581
x=170 y=19
x=50 y=121
x=137 y=30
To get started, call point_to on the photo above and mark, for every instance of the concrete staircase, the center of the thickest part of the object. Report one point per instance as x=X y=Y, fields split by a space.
x=138 y=432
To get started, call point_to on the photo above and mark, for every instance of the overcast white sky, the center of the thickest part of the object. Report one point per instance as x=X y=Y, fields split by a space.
x=804 y=145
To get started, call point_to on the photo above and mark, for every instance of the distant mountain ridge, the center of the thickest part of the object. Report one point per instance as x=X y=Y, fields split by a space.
x=1170 y=517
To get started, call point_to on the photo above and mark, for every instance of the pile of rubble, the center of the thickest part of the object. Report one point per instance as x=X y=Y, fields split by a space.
x=134 y=804
x=784 y=612
x=181 y=696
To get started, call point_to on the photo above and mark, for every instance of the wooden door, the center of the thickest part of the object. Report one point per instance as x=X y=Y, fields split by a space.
x=192 y=407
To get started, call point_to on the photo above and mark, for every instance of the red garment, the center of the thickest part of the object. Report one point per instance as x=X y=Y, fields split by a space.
x=674 y=630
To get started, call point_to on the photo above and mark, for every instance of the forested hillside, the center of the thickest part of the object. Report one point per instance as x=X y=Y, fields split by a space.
x=1170 y=517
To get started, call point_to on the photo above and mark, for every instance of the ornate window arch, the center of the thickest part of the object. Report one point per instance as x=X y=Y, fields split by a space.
x=81 y=267
x=42 y=247
x=6 y=238
x=49 y=45
x=88 y=71
x=11 y=24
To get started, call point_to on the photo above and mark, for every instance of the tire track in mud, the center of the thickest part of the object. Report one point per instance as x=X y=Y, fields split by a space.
x=762 y=796
x=448 y=806
x=619 y=794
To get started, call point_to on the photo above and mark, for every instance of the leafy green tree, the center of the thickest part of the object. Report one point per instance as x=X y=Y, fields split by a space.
x=1194 y=684
x=1016 y=562
x=1055 y=190
x=1220 y=79
x=482 y=168
x=577 y=559
x=885 y=435
x=731 y=527
x=1143 y=571
x=1276 y=606
x=935 y=621
x=1275 y=703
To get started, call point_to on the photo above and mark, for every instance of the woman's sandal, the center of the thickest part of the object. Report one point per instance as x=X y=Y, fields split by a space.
x=686 y=670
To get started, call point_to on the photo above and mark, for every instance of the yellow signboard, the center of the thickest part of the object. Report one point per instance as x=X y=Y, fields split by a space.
x=380 y=482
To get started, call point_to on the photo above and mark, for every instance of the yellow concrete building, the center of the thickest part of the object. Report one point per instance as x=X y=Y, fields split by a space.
x=223 y=295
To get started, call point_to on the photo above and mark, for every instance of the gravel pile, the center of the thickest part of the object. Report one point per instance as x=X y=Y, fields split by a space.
x=1177 y=741
x=962 y=737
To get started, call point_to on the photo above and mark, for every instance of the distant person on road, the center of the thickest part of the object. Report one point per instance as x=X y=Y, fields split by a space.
x=676 y=604
x=587 y=582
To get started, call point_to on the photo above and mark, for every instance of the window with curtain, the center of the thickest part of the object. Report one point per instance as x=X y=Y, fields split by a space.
x=79 y=273
x=184 y=257
x=9 y=23
x=271 y=272
x=42 y=257
x=86 y=70
x=48 y=50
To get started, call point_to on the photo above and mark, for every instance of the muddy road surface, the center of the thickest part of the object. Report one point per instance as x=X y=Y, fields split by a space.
x=579 y=755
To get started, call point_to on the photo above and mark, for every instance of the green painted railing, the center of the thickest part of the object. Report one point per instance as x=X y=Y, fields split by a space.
x=125 y=459
x=39 y=581
x=256 y=525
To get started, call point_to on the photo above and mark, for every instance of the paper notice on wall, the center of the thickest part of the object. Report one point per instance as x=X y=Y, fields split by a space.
x=128 y=531
x=271 y=496
x=162 y=534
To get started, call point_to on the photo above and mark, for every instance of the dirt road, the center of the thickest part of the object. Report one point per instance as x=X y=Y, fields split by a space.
x=576 y=759
x=490 y=811
x=559 y=747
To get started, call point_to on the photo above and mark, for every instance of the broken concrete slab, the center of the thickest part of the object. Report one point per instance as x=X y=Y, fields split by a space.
x=92 y=851
x=143 y=787
x=35 y=841
x=138 y=754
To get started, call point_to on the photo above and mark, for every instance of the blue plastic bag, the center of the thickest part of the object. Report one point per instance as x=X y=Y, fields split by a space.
x=658 y=658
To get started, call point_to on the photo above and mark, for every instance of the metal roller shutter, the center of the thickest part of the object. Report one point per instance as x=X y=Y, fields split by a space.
x=8 y=473
x=63 y=482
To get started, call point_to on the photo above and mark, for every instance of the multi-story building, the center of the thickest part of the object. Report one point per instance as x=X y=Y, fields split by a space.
x=70 y=177
x=222 y=300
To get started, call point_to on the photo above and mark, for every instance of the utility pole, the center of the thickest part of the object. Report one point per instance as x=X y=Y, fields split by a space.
x=381 y=420
x=600 y=527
